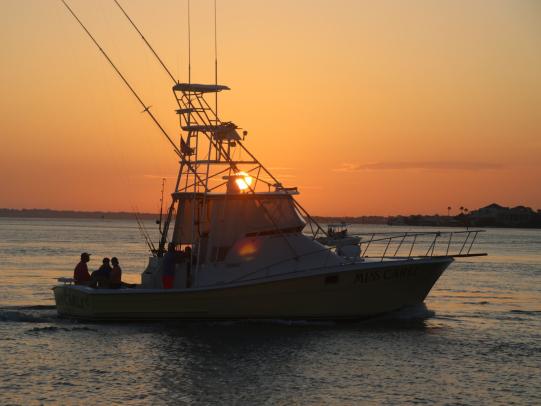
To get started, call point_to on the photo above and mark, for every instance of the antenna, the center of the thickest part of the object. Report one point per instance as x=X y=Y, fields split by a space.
x=189 y=47
x=215 y=62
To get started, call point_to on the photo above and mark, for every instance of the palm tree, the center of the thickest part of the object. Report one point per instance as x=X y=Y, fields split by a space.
x=461 y=209
x=449 y=211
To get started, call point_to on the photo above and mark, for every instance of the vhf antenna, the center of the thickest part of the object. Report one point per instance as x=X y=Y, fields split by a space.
x=189 y=47
x=215 y=62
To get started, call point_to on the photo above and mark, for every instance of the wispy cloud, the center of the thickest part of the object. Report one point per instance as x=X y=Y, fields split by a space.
x=284 y=175
x=310 y=187
x=281 y=168
x=421 y=165
x=158 y=177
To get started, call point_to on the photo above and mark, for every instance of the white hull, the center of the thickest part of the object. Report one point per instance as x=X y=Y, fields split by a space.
x=353 y=291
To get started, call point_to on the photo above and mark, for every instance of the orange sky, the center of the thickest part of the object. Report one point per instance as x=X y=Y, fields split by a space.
x=369 y=107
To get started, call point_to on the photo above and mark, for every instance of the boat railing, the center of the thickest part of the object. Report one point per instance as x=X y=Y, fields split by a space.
x=418 y=244
x=389 y=246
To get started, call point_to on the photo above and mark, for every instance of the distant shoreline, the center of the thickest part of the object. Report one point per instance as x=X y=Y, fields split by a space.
x=532 y=220
x=122 y=215
x=74 y=214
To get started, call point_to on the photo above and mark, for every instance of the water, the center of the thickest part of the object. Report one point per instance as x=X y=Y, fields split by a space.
x=477 y=339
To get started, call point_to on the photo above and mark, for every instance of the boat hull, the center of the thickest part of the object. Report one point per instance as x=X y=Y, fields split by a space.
x=354 y=292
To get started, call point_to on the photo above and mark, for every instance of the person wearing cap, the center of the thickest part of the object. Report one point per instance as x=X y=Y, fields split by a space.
x=80 y=273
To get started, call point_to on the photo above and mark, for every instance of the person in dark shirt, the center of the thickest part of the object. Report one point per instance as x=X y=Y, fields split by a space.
x=116 y=274
x=188 y=258
x=101 y=277
x=80 y=273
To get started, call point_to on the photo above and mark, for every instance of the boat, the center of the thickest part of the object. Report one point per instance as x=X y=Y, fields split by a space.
x=337 y=236
x=244 y=248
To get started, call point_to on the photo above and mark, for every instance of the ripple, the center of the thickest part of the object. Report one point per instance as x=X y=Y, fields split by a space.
x=17 y=316
x=528 y=312
x=53 y=329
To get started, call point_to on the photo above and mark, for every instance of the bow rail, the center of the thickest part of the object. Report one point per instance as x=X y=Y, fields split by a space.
x=419 y=244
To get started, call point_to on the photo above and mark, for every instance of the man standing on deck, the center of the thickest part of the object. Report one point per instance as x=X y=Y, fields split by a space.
x=80 y=273
x=168 y=267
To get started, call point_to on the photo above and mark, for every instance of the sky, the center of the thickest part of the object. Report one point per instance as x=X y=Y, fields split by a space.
x=369 y=107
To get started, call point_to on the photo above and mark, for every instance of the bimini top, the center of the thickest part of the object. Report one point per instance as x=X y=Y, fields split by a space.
x=198 y=88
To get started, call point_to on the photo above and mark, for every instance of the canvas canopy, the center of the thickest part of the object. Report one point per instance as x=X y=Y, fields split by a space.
x=227 y=218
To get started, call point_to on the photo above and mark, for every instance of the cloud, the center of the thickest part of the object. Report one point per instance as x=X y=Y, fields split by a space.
x=310 y=187
x=280 y=168
x=158 y=177
x=284 y=175
x=423 y=166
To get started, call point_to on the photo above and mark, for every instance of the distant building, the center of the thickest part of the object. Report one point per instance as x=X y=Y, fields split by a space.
x=496 y=215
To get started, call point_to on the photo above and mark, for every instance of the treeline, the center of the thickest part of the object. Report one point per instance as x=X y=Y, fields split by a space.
x=353 y=220
x=48 y=213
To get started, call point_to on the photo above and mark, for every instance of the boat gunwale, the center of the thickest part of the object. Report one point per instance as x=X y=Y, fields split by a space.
x=278 y=278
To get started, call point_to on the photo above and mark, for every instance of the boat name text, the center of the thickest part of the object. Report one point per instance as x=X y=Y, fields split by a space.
x=385 y=275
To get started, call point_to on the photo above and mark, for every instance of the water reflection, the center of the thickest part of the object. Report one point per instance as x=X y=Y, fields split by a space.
x=247 y=361
x=483 y=317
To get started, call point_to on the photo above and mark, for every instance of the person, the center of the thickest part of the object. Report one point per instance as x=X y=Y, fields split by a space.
x=80 y=273
x=115 y=280
x=188 y=256
x=168 y=267
x=101 y=277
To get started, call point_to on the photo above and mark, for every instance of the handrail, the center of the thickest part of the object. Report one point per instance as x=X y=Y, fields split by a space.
x=432 y=248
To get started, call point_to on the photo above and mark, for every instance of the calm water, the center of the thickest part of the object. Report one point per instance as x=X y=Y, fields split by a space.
x=476 y=341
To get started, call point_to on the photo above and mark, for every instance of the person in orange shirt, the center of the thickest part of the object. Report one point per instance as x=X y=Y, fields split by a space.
x=80 y=273
x=115 y=281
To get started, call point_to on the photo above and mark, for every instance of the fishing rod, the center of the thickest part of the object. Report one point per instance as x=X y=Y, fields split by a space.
x=161 y=207
x=145 y=233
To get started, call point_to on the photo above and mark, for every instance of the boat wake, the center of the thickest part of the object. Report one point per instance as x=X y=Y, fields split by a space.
x=54 y=329
x=407 y=314
x=28 y=314
x=275 y=322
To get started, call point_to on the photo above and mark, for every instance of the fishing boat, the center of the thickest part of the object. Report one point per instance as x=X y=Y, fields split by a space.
x=244 y=248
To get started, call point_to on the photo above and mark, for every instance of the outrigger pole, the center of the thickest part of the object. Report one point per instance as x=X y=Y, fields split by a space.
x=146 y=109
x=146 y=42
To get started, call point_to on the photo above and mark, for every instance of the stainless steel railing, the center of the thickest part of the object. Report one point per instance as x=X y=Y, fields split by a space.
x=418 y=244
